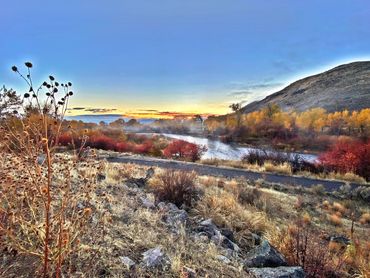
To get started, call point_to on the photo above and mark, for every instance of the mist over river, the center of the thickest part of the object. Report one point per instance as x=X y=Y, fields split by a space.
x=219 y=150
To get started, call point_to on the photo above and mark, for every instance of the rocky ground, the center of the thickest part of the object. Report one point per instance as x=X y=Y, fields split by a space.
x=233 y=228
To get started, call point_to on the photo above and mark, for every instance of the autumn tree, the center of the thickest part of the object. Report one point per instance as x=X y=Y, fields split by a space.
x=236 y=108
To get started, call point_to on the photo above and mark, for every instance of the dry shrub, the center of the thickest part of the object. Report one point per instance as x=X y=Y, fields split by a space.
x=339 y=207
x=249 y=195
x=177 y=187
x=365 y=218
x=335 y=219
x=326 y=204
x=302 y=245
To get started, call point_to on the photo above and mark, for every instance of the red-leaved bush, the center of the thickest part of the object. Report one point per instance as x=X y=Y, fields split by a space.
x=184 y=150
x=348 y=156
x=65 y=139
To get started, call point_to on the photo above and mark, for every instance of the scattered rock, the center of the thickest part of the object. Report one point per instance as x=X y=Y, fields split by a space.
x=154 y=258
x=173 y=216
x=256 y=239
x=147 y=203
x=223 y=259
x=264 y=255
x=341 y=240
x=41 y=159
x=140 y=182
x=210 y=230
x=227 y=233
x=190 y=273
x=127 y=262
x=278 y=272
x=136 y=182
x=207 y=228
x=149 y=173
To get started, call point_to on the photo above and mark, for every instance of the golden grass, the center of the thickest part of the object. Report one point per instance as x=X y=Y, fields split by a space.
x=225 y=210
x=284 y=168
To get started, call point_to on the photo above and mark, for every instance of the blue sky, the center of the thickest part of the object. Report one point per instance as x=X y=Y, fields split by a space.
x=185 y=56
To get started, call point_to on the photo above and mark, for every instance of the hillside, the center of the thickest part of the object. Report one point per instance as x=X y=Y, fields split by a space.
x=343 y=87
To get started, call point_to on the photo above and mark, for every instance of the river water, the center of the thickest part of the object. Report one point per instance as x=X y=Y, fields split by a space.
x=219 y=150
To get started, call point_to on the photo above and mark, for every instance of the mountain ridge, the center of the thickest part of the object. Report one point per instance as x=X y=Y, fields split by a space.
x=346 y=86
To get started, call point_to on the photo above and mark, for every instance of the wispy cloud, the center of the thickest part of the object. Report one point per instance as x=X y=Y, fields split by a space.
x=245 y=93
x=92 y=110
x=100 y=110
x=254 y=86
x=240 y=93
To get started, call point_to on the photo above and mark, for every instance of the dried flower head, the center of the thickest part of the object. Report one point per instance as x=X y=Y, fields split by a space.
x=28 y=64
x=87 y=212
x=44 y=190
x=14 y=68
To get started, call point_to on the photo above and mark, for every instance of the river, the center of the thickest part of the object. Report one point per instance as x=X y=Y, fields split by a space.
x=219 y=150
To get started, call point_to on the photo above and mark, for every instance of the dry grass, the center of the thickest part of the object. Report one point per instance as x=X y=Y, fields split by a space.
x=134 y=229
x=284 y=168
x=345 y=177
x=226 y=211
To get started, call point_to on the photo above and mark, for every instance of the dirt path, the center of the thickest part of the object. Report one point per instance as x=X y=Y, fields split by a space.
x=230 y=172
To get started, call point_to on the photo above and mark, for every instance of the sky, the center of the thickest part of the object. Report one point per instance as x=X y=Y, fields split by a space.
x=157 y=57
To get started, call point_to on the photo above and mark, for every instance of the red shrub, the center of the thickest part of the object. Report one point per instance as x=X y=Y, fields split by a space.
x=123 y=147
x=143 y=148
x=102 y=142
x=185 y=150
x=65 y=139
x=348 y=156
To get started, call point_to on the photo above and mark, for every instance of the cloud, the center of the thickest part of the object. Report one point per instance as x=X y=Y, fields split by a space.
x=100 y=110
x=148 y=110
x=245 y=93
x=259 y=86
x=92 y=110
x=240 y=93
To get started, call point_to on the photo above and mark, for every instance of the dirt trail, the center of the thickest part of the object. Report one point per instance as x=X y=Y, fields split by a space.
x=230 y=172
